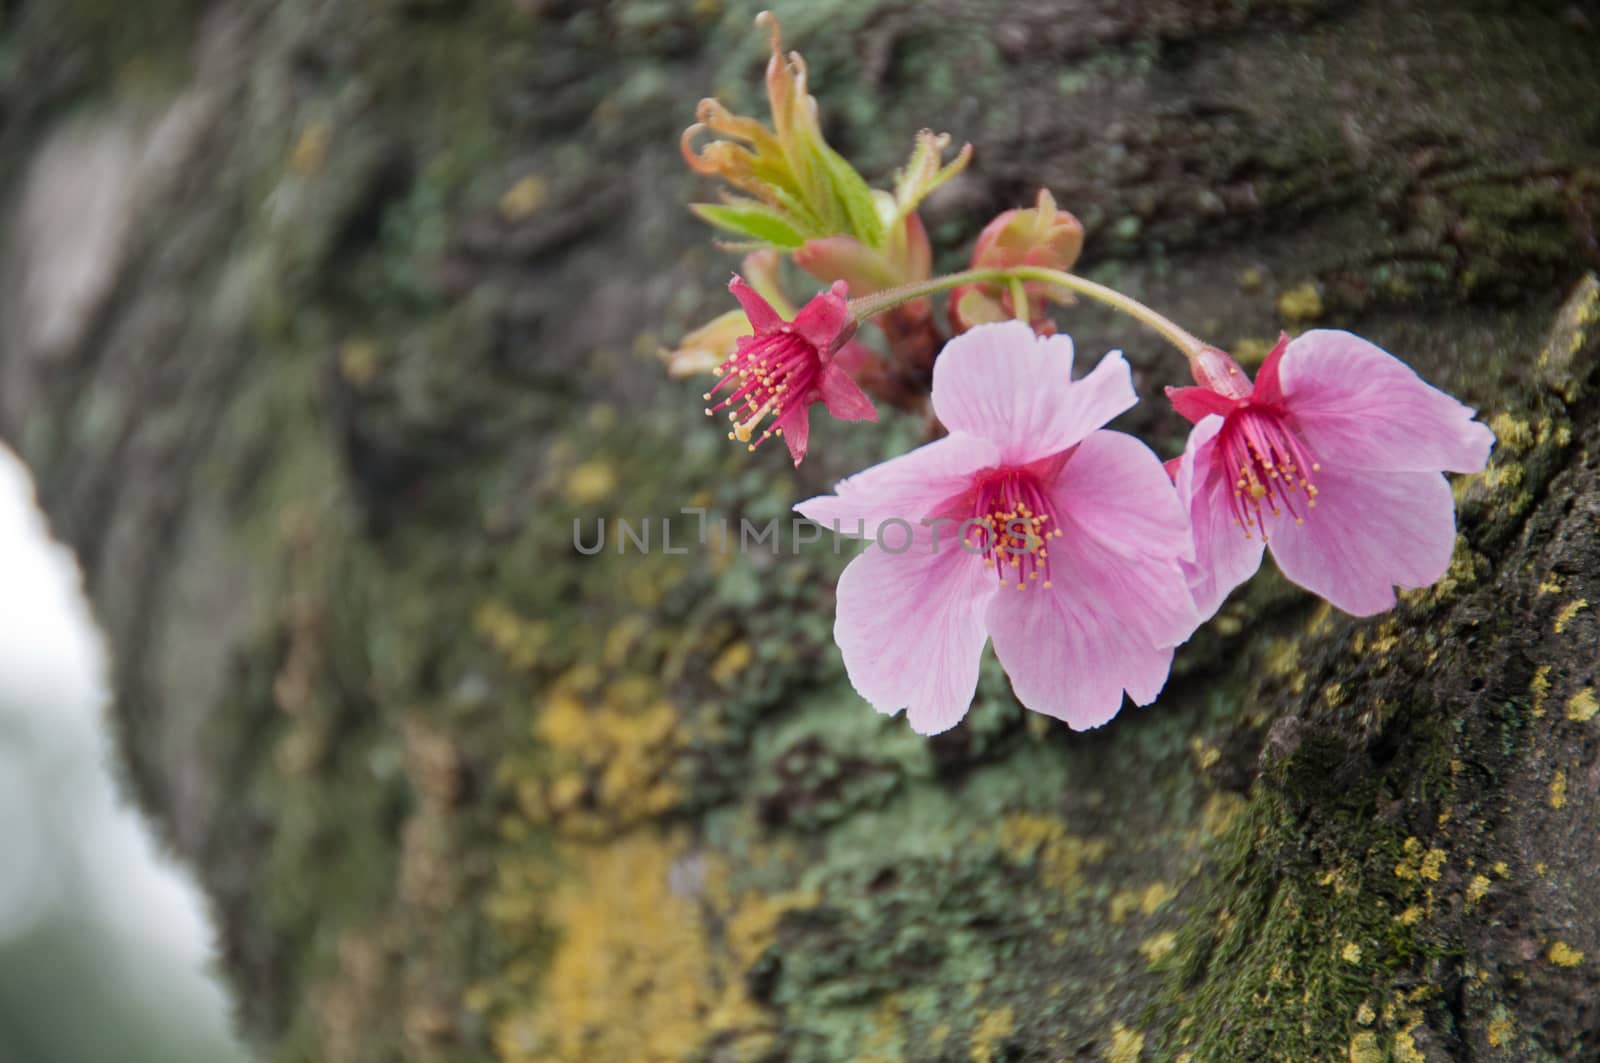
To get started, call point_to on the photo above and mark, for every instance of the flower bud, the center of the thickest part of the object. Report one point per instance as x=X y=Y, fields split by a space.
x=1041 y=235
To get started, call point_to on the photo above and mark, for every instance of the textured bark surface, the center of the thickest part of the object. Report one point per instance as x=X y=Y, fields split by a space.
x=323 y=319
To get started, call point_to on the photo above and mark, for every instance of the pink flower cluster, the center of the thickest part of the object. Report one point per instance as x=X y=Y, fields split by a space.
x=1032 y=525
x=1069 y=546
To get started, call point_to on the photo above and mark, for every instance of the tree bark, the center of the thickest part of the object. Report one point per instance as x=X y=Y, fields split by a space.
x=325 y=319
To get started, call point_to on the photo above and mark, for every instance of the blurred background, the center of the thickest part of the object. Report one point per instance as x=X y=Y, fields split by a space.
x=321 y=321
x=105 y=947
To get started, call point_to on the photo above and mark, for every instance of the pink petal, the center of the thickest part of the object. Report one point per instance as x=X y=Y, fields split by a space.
x=910 y=629
x=823 y=320
x=1118 y=600
x=852 y=357
x=796 y=427
x=1368 y=532
x=1269 y=378
x=1224 y=556
x=1123 y=521
x=762 y=317
x=844 y=399
x=1009 y=386
x=1069 y=650
x=909 y=487
x=1193 y=404
x=1361 y=408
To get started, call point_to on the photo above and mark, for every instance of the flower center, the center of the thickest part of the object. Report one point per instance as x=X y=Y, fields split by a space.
x=768 y=376
x=1012 y=523
x=1270 y=469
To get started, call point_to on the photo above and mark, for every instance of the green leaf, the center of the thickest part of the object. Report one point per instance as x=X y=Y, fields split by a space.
x=855 y=196
x=923 y=173
x=752 y=219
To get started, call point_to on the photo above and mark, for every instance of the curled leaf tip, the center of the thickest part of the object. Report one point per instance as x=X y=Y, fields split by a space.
x=690 y=155
x=768 y=21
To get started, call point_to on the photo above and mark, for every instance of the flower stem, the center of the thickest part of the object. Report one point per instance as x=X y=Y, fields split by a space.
x=871 y=305
x=1019 y=300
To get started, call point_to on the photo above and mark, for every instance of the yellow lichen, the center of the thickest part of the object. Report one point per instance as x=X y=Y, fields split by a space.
x=358 y=362
x=1283 y=659
x=1501 y=1030
x=1568 y=611
x=1465 y=568
x=633 y=976
x=1154 y=949
x=1156 y=895
x=1250 y=352
x=1059 y=856
x=1405 y=1045
x=1558 y=790
x=523 y=198
x=993 y=1027
x=1510 y=432
x=311 y=149
x=518 y=640
x=1563 y=955
x=1433 y=864
x=1333 y=694
x=609 y=756
x=1410 y=917
x=1503 y=475
x=1365 y=1015
x=1413 y=852
x=1351 y=953
x=590 y=482
x=885 y=1042
x=1582 y=706
x=1206 y=756
x=1301 y=303
x=1126 y=1045
x=1220 y=812
x=1477 y=889
x=1364 y=1048
x=1540 y=687
x=1283 y=656
x=733 y=660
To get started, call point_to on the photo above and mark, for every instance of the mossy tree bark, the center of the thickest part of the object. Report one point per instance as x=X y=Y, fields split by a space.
x=325 y=318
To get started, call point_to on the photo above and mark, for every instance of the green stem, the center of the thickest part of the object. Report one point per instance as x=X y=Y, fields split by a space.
x=869 y=306
x=1019 y=300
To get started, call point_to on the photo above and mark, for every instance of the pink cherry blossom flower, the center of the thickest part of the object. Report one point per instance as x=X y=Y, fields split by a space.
x=1027 y=524
x=775 y=375
x=1333 y=459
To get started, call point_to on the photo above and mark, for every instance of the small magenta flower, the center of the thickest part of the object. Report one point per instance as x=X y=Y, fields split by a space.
x=775 y=375
x=1027 y=524
x=1333 y=458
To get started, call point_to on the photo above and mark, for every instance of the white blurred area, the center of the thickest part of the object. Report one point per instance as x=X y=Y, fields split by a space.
x=106 y=952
